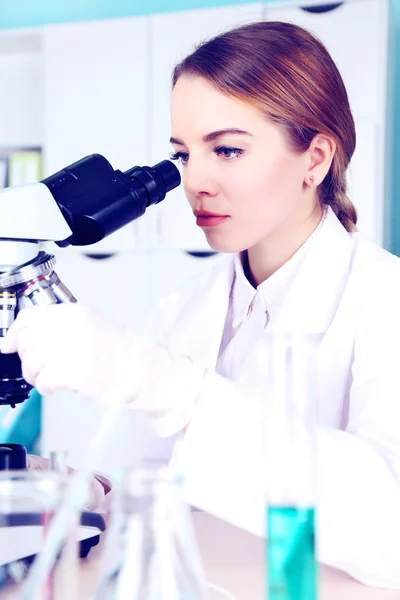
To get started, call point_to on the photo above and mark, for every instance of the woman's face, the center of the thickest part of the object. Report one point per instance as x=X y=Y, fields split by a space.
x=238 y=166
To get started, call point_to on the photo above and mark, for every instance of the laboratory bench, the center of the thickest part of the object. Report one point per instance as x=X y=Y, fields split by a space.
x=234 y=560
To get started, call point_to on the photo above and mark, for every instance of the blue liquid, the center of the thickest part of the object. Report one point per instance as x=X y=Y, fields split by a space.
x=291 y=563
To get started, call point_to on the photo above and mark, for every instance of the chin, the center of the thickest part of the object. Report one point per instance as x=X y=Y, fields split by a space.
x=225 y=246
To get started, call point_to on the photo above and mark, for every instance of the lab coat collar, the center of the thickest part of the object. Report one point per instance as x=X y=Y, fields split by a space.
x=318 y=286
x=242 y=292
x=308 y=307
x=273 y=290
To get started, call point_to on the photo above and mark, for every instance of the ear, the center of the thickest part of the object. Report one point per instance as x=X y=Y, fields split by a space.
x=320 y=152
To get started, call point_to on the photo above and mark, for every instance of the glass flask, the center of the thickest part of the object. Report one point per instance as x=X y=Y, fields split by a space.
x=28 y=502
x=291 y=419
x=151 y=552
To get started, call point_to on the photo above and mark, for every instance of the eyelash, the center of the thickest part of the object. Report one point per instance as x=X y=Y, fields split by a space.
x=183 y=157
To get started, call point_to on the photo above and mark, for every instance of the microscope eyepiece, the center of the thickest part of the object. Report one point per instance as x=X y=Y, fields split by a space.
x=169 y=174
x=157 y=180
x=97 y=200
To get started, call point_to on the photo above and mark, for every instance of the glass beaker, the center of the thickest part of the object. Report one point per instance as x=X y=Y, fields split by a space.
x=151 y=551
x=28 y=501
x=291 y=419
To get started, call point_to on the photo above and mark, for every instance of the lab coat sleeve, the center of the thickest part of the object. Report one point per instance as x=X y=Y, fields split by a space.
x=359 y=469
x=358 y=520
x=222 y=455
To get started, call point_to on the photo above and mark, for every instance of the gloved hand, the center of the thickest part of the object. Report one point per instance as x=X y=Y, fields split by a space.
x=97 y=490
x=68 y=346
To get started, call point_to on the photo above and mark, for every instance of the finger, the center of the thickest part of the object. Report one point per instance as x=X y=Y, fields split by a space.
x=48 y=381
x=23 y=321
x=38 y=463
x=9 y=344
x=30 y=373
x=31 y=365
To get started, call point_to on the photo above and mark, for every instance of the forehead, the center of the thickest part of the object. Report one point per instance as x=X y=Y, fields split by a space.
x=198 y=107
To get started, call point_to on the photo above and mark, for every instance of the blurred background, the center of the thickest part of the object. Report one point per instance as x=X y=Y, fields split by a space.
x=93 y=76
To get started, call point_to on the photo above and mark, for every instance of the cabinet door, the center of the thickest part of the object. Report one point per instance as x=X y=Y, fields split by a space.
x=355 y=34
x=21 y=103
x=96 y=76
x=173 y=36
x=363 y=179
x=171 y=269
x=119 y=286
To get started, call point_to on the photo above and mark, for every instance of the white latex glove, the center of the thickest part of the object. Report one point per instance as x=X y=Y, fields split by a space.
x=98 y=488
x=68 y=346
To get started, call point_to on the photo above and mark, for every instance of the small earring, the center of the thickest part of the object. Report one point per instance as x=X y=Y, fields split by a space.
x=311 y=180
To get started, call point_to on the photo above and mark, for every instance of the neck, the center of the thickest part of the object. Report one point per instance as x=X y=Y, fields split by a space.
x=266 y=257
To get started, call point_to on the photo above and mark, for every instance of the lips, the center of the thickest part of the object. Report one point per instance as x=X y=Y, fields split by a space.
x=207 y=213
x=205 y=218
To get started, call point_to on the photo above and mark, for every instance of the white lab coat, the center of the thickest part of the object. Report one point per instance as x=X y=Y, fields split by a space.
x=348 y=289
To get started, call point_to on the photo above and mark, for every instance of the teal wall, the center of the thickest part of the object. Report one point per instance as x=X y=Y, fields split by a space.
x=394 y=245
x=26 y=13
x=21 y=13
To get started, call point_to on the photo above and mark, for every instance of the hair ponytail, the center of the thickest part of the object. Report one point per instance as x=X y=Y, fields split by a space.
x=332 y=192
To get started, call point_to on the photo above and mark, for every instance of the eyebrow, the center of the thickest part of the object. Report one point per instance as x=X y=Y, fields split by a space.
x=209 y=137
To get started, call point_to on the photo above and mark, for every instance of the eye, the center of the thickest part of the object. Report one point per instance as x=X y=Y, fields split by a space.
x=181 y=157
x=228 y=152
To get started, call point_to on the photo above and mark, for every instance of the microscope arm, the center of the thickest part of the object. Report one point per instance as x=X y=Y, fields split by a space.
x=22 y=210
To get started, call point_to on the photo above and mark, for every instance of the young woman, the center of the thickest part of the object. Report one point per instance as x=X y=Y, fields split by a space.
x=262 y=126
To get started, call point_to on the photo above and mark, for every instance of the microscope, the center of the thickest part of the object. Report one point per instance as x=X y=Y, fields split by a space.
x=78 y=206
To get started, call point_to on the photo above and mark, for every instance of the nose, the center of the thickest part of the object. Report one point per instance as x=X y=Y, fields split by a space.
x=198 y=179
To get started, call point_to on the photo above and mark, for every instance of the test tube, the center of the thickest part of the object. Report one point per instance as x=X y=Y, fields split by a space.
x=67 y=587
x=291 y=418
x=58 y=461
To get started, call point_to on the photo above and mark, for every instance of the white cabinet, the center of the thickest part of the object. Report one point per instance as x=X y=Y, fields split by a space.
x=21 y=82
x=363 y=180
x=356 y=34
x=96 y=99
x=120 y=287
x=173 y=36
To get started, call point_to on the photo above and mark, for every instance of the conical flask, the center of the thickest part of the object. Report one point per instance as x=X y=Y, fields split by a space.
x=151 y=551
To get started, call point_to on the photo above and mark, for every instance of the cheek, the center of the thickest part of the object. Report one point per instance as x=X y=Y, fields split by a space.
x=189 y=196
x=268 y=188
